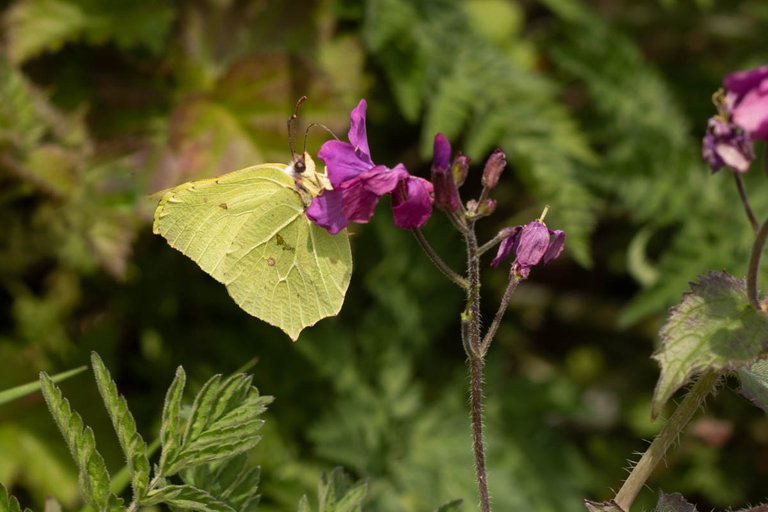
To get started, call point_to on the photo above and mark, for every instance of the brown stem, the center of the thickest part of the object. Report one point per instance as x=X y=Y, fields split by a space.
x=745 y=201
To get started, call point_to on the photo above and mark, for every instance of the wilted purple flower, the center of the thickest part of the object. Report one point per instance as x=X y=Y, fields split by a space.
x=726 y=145
x=747 y=101
x=494 y=166
x=358 y=184
x=446 y=193
x=532 y=244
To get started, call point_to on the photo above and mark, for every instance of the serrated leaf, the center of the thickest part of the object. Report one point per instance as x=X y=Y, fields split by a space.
x=234 y=481
x=602 y=506
x=714 y=328
x=754 y=384
x=8 y=503
x=674 y=502
x=451 y=506
x=186 y=497
x=9 y=395
x=133 y=445
x=93 y=475
x=171 y=433
x=337 y=493
x=225 y=421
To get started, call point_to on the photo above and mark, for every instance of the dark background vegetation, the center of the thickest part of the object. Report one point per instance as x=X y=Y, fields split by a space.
x=600 y=107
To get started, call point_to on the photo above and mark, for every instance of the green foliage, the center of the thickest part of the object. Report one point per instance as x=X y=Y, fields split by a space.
x=714 y=328
x=754 y=383
x=93 y=475
x=336 y=493
x=235 y=481
x=8 y=503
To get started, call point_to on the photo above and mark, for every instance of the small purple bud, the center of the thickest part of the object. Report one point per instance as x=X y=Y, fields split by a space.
x=460 y=169
x=486 y=208
x=494 y=166
x=446 y=194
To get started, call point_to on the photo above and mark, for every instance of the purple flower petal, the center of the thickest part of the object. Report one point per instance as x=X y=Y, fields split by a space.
x=341 y=161
x=556 y=244
x=726 y=145
x=446 y=193
x=358 y=203
x=358 y=135
x=534 y=240
x=751 y=113
x=381 y=180
x=742 y=82
x=441 y=153
x=508 y=245
x=326 y=211
x=412 y=202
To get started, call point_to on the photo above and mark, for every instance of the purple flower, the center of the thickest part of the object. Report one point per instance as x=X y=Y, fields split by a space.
x=747 y=101
x=532 y=244
x=726 y=145
x=358 y=184
x=494 y=166
x=446 y=193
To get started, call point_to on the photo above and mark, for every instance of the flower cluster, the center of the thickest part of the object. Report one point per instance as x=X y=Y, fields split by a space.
x=358 y=184
x=742 y=119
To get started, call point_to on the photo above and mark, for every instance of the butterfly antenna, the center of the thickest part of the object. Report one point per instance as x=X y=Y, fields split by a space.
x=292 y=127
x=312 y=125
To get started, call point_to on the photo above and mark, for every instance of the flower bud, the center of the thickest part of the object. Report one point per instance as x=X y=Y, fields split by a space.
x=494 y=166
x=459 y=169
x=446 y=194
x=486 y=207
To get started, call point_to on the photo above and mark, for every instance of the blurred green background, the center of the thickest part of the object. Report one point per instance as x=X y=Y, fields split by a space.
x=600 y=106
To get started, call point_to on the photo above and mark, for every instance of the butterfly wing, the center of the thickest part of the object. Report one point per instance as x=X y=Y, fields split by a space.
x=248 y=230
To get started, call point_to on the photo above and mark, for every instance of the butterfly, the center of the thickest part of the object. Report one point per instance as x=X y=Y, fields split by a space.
x=248 y=230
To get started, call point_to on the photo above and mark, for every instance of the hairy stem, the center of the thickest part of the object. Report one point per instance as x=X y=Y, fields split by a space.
x=472 y=318
x=514 y=280
x=668 y=435
x=754 y=264
x=745 y=201
x=439 y=263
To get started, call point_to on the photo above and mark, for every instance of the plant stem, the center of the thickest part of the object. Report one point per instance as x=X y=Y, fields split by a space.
x=476 y=363
x=514 y=280
x=745 y=201
x=493 y=242
x=439 y=263
x=668 y=435
x=754 y=264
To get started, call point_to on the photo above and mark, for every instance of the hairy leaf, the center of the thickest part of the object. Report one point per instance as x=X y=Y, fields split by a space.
x=674 y=502
x=133 y=445
x=233 y=481
x=337 y=493
x=186 y=497
x=713 y=328
x=171 y=433
x=94 y=478
x=8 y=503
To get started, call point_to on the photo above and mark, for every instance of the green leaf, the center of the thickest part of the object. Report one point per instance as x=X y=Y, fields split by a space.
x=171 y=434
x=94 y=478
x=713 y=328
x=224 y=422
x=36 y=26
x=9 y=395
x=674 y=502
x=234 y=481
x=337 y=493
x=451 y=506
x=186 y=497
x=8 y=503
x=247 y=229
x=133 y=445
x=754 y=384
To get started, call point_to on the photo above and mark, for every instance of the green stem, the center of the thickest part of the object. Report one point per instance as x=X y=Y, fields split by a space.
x=668 y=435
x=471 y=318
x=754 y=264
x=439 y=263
x=490 y=244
